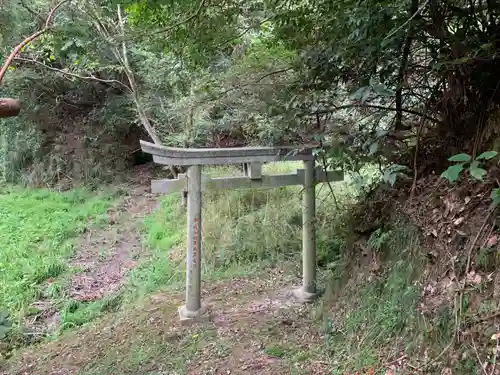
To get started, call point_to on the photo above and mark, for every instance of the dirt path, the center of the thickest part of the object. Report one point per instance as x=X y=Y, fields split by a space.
x=105 y=255
x=256 y=328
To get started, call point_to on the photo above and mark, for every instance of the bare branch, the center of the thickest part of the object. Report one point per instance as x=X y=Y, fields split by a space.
x=402 y=69
x=182 y=22
x=325 y=168
x=251 y=83
x=273 y=73
x=133 y=86
x=16 y=50
x=347 y=106
x=21 y=45
x=69 y=74
x=408 y=20
x=51 y=13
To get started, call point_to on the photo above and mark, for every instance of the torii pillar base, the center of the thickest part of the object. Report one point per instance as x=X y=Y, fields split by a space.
x=303 y=296
x=187 y=317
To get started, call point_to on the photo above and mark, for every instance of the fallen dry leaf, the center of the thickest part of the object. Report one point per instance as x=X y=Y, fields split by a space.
x=459 y=221
x=492 y=241
x=473 y=278
x=429 y=289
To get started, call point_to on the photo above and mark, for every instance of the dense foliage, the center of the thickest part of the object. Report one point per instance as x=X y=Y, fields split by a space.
x=374 y=78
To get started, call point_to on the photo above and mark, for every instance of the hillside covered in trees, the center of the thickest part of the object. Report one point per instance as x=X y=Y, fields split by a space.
x=403 y=96
x=369 y=79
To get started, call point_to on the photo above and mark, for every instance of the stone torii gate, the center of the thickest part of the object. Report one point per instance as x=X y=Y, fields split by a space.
x=252 y=158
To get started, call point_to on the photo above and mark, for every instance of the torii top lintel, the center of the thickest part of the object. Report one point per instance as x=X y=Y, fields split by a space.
x=216 y=156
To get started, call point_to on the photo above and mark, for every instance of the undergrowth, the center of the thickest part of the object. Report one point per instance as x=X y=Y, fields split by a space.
x=373 y=314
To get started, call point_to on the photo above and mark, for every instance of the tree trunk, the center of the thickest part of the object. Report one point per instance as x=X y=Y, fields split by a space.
x=402 y=68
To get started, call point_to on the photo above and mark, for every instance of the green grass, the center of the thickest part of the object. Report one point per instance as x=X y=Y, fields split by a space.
x=75 y=313
x=163 y=230
x=36 y=232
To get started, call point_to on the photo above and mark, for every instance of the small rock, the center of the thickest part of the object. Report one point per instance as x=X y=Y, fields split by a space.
x=459 y=221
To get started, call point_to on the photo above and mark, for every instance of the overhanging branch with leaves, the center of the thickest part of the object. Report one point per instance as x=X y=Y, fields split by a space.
x=12 y=107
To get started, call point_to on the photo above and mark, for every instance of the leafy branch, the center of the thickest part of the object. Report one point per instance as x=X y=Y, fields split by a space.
x=20 y=46
x=240 y=86
x=475 y=171
x=12 y=107
x=197 y=12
